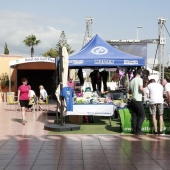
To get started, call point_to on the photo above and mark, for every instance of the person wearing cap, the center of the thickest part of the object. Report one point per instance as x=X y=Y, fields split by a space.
x=70 y=83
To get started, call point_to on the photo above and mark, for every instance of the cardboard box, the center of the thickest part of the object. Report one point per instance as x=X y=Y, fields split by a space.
x=75 y=119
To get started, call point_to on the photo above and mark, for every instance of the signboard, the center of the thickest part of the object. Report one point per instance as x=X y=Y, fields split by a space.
x=92 y=109
x=147 y=125
x=31 y=59
x=133 y=47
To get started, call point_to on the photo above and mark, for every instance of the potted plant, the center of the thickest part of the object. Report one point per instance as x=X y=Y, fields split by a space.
x=4 y=83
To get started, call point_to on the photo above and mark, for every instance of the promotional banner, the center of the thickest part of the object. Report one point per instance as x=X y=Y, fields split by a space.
x=137 y=49
x=93 y=109
x=147 y=125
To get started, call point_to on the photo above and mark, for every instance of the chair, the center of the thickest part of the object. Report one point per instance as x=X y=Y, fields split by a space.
x=32 y=102
x=45 y=103
x=12 y=101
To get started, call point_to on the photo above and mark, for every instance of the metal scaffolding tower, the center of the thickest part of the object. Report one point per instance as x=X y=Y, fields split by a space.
x=88 y=33
x=161 y=44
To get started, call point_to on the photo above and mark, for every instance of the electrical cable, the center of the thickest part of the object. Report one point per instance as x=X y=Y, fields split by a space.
x=166 y=29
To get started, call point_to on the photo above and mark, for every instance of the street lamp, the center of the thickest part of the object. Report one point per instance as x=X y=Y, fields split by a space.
x=168 y=62
x=138 y=31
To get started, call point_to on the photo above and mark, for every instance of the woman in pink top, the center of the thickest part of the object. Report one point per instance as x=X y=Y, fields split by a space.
x=23 y=97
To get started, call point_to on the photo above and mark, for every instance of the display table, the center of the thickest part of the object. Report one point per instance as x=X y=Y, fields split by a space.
x=147 y=126
x=93 y=109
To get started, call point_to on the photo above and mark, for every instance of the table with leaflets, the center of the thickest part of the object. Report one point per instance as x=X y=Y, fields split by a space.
x=105 y=109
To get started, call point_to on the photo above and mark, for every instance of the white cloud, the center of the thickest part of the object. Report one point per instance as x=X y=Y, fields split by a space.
x=15 y=26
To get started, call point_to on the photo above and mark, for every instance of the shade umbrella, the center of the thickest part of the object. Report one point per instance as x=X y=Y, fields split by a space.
x=63 y=76
x=65 y=66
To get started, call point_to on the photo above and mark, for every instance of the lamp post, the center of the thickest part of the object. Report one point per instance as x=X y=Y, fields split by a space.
x=138 y=31
x=168 y=62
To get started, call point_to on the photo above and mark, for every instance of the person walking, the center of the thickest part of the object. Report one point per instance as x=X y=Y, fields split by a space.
x=155 y=94
x=23 y=97
x=138 y=112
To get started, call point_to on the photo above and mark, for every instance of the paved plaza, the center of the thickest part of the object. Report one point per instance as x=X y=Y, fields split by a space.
x=30 y=147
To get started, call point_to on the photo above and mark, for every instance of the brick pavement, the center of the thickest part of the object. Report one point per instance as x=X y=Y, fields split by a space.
x=29 y=147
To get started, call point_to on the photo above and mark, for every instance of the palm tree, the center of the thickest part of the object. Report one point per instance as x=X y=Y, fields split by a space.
x=31 y=41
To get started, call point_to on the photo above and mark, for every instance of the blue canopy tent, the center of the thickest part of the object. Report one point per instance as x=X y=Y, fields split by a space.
x=98 y=53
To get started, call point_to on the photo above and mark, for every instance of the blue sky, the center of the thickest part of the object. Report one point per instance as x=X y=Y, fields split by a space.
x=113 y=19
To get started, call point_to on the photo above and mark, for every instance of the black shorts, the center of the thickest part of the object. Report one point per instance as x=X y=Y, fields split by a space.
x=24 y=103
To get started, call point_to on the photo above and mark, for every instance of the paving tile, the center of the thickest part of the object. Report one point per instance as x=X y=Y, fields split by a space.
x=48 y=156
x=72 y=156
x=2 y=167
x=3 y=151
x=18 y=168
x=48 y=147
x=93 y=156
x=95 y=161
x=70 y=167
x=51 y=151
x=98 y=151
x=22 y=162
x=149 y=167
x=122 y=167
x=6 y=156
x=44 y=167
x=46 y=162
x=5 y=162
x=96 y=166
x=112 y=151
x=120 y=161
x=91 y=147
x=75 y=162
x=23 y=147
x=144 y=162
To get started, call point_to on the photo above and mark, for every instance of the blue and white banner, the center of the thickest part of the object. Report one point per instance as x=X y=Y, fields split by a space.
x=92 y=109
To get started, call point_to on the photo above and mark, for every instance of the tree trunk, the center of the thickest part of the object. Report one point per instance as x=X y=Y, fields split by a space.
x=32 y=51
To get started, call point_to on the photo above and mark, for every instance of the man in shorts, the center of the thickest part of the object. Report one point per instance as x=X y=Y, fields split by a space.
x=155 y=94
x=166 y=86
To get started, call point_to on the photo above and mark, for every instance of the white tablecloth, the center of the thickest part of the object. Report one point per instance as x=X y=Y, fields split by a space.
x=92 y=109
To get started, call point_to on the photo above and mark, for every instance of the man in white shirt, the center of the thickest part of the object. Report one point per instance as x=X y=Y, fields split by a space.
x=166 y=86
x=155 y=94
